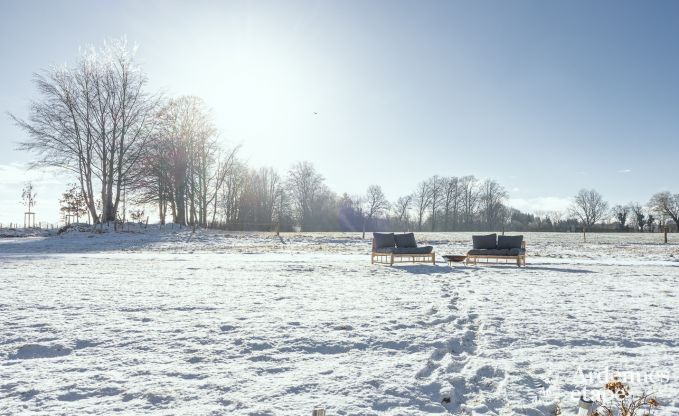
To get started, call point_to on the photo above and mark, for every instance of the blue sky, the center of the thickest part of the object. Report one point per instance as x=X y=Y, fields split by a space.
x=545 y=97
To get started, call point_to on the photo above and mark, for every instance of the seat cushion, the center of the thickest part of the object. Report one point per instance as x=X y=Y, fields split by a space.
x=382 y=240
x=484 y=242
x=517 y=252
x=405 y=240
x=488 y=252
x=413 y=250
x=384 y=250
x=509 y=241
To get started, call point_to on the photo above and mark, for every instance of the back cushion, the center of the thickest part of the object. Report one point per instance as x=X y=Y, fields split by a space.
x=484 y=242
x=509 y=241
x=405 y=240
x=383 y=240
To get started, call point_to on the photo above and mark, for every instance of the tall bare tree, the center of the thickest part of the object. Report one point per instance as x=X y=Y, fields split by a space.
x=376 y=203
x=401 y=209
x=230 y=200
x=451 y=203
x=666 y=204
x=436 y=197
x=224 y=168
x=260 y=199
x=422 y=201
x=638 y=215
x=470 y=198
x=304 y=185
x=282 y=214
x=93 y=119
x=492 y=197
x=183 y=165
x=589 y=208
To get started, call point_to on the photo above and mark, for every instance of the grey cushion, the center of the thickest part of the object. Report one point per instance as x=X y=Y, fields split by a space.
x=509 y=241
x=384 y=250
x=484 y=242
x=382 y=240
x=517 y=252
x=413 y=250
x=405 y=240
x=488 y=252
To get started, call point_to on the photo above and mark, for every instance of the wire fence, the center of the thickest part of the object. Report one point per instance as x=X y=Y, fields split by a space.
x=141 y=226
x=41 y=225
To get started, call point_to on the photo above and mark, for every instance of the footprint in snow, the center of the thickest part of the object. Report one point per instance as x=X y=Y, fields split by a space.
x=82 y=343
x=427 y=369
x=32 y=351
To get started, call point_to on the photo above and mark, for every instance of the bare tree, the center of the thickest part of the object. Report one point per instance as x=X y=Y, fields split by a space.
x=492 y=196
x=183 y=165
x=259 y=200
x=324 y=210
x=304 y=185
x=401 y=210
x=72 y=204
x=589 y=208
x=376 y=203
x=422 y=201
x=666 y=204
x=93 y=119
x=436 y=197
x=28 y=196
x=282 y=212
x=470 y=198
x=151 y=181
x=224 y=168
x=506 y=213
x=620 y=212
x=451 y=202
x=231 y=194
x=638 y=215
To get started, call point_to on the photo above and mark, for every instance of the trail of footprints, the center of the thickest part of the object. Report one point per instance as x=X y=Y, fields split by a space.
x=465 y=383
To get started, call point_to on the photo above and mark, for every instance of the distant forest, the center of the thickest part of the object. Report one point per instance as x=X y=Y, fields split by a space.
x=127 y=148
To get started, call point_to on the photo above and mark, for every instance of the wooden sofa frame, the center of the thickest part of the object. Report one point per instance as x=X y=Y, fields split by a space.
x=391 y=258
x=495 y=259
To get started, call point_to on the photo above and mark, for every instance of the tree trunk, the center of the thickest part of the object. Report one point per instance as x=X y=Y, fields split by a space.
x=179 y=205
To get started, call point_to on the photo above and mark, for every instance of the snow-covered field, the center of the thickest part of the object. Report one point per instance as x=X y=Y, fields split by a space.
x=253 y=324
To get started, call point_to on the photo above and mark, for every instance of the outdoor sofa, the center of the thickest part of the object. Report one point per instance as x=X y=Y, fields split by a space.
x=492 y=248
x=390 y=248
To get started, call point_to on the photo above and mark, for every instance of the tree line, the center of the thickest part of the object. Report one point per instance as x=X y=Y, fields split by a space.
x=127 y=147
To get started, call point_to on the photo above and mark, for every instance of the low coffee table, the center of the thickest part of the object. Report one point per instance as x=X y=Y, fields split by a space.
x=454 y=259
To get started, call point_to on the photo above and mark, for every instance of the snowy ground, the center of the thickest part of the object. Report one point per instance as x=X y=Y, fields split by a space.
x=234 y=323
